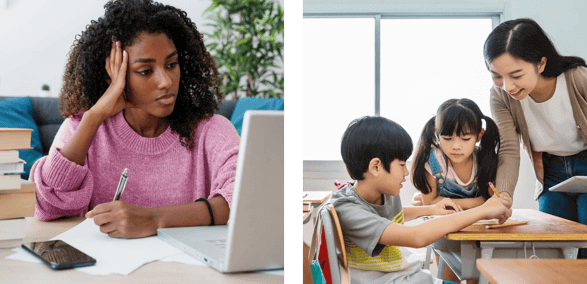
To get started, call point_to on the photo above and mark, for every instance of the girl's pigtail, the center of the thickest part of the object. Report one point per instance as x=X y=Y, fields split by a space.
x=425 y=145
x=487 y=157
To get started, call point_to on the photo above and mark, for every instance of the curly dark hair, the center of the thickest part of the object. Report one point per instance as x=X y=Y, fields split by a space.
x=84 y=80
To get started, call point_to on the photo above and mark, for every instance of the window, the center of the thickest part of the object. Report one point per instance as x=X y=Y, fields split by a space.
x=401 y=64
x=424 y=62
x=339 y=74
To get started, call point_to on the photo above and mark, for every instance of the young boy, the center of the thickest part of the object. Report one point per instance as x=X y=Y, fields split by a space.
x=375 y=150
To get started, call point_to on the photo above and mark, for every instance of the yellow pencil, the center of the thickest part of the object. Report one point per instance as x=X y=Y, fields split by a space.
x=494 y=189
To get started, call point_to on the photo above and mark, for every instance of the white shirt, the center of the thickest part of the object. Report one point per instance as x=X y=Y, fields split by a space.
x=551 y=125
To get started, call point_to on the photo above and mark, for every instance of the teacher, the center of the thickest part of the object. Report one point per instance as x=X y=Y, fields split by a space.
x=539 y=95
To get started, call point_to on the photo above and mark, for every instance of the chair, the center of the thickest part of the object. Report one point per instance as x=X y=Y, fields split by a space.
x=331 y=240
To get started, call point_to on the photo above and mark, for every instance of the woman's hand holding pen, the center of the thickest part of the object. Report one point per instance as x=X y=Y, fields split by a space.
x=119 y=219
x=113 y=100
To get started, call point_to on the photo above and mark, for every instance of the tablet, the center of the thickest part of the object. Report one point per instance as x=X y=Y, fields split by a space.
x=574 y=184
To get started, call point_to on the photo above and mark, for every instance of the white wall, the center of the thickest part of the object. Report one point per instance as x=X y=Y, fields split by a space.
x=36 y=35
x=562 y=20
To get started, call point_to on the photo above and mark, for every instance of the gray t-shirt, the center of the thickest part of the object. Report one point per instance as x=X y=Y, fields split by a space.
x=362 y=224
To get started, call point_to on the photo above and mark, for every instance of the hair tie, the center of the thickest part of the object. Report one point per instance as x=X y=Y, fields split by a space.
x=209 y=209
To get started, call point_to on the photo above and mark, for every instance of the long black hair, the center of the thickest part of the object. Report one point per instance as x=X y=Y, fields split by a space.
x=459 y=116
x=524 y=39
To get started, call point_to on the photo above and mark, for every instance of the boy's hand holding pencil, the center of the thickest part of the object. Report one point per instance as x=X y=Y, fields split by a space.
x=496 y=208
x=505 y=196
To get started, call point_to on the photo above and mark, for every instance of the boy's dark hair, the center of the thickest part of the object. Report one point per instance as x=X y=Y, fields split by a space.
x=459 y=116
x=373 y=137
x=84 y=80
x=524 y=39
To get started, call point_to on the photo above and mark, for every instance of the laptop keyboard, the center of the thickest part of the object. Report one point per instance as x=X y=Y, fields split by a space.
x=219 y=243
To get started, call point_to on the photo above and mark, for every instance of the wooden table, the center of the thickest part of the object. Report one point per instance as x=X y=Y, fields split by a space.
x=541 y=227
x=522 y=271
x=545 y=235
x=14 y=271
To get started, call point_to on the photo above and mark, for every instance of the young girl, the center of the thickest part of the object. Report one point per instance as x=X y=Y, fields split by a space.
x=448 y=164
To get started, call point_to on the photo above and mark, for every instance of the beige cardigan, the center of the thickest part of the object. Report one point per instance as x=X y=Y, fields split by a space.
x=507 y=113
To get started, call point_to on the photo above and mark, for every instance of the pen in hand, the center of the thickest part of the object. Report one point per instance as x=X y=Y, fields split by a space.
x=121 y=184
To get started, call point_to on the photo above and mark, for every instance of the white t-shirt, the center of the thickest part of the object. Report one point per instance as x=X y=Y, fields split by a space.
x=551 y=125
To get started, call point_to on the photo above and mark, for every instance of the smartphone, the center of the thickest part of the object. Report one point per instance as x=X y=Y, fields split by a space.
x=59 y=255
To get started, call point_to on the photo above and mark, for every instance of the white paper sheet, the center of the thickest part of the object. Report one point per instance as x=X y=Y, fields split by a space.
x=113 y=256
x=117 y=256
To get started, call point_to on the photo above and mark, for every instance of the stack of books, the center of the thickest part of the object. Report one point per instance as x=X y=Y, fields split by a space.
x=17 y=196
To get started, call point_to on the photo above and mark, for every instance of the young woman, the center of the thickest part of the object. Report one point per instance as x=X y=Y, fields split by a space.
x=448 y=163
x=539 y=95
x=139 y=92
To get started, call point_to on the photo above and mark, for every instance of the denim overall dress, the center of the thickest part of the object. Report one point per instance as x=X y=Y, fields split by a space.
x=451 y=189
x=446 y=187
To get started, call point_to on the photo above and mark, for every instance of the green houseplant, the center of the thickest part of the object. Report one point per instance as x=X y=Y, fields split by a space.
x=45 y=91
x=246 y=43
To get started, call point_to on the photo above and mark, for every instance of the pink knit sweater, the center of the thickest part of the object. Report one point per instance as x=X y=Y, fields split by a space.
x=161 y=171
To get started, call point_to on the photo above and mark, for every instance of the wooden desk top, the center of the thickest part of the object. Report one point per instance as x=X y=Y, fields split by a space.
x=317 y=197
x=15 y=271
x=514 y=271
x=541 y=227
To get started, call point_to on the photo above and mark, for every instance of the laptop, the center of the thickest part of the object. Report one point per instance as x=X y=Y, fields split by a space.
x=253 y=238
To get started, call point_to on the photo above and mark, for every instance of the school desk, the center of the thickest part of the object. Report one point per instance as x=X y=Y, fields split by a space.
x=545 y=235
x=14 y=271
x=522 y=271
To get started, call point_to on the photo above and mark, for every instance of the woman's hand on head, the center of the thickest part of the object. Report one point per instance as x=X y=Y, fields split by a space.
x=113 y=100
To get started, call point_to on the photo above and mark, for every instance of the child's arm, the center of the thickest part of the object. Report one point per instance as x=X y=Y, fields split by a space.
x=443 y=207
x=463 y=203
x=431 y=231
